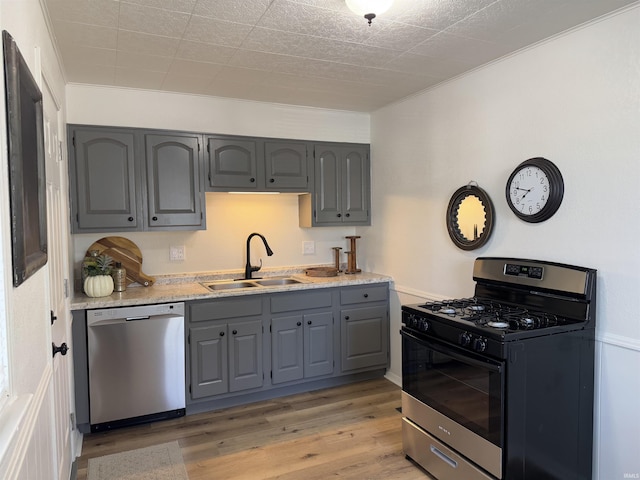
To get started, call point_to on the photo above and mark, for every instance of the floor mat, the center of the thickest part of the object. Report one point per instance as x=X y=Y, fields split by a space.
x=158 y=462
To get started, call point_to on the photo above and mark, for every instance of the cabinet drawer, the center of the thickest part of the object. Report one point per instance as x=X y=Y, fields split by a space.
x=364 y=294
x=224 y=309
x=289 y=302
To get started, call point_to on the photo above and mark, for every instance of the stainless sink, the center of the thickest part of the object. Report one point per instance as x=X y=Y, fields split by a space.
x=228 y=285
x=271 y=282
x=258 y=282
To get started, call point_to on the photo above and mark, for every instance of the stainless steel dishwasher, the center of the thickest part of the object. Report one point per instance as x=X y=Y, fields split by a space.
x=136 y=364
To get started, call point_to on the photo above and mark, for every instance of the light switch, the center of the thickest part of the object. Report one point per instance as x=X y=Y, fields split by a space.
x=308 y=248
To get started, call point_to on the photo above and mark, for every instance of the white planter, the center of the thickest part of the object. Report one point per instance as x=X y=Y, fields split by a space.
x=98 y=286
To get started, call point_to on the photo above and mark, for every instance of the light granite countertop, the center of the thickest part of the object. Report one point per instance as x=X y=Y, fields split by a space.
x=184 y=287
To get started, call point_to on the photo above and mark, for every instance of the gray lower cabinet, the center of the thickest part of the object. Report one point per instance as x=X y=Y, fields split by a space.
x=225 y=344
x=302 y=335
x=301 y=346
x=364 y=327
x=127 y=179
x=342 y=184
x=256 y=165
x=225 y=357
x=236 y=344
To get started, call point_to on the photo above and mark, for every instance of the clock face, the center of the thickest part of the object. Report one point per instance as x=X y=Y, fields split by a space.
x=535 y=189
x=529 y=190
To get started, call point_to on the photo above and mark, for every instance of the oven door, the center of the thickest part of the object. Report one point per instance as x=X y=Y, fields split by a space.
x=456 y=396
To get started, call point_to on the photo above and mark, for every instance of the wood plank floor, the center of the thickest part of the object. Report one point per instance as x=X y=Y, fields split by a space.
x=348 y=432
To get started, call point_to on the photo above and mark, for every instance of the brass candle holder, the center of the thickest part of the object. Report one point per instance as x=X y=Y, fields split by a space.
x=351 y=256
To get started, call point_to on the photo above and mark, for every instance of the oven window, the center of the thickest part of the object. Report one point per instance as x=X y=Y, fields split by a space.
x=465 y=389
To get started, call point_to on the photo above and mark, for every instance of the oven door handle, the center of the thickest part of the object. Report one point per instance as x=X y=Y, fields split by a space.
x=464 y=358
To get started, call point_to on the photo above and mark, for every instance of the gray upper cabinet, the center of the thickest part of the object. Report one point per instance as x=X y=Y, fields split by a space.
x=254 y=164
x=341 y=187
x=126 y=179
x=103 y=178
x=173 y=181
x=232 y=163
x=286 y=166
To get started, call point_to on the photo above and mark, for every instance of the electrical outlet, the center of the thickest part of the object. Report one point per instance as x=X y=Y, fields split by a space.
x=308 y=248
x=177 y=253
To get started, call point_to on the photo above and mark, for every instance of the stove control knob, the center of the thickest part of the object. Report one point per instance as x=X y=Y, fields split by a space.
x=464 y=339
x=423 y=325
x=479 y=345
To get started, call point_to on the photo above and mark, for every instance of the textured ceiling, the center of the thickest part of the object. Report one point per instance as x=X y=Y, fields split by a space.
x=301 y=52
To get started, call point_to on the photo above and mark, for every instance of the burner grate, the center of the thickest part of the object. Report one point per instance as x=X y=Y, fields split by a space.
x=493 y=314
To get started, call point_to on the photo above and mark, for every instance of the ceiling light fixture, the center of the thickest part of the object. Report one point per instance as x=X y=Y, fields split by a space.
x=369 y=9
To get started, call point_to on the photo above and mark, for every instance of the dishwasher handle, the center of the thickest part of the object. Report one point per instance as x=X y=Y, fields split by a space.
x=101 y=322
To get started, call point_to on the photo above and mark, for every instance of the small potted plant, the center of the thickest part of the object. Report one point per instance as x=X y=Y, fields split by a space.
x=99 y=282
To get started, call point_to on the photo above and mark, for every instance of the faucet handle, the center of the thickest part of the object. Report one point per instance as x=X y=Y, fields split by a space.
x=255 y=269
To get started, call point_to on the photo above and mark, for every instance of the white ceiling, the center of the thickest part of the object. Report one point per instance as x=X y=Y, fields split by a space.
x=301 y=52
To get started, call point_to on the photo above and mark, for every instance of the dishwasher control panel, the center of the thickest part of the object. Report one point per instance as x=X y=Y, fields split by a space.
x=137 y=311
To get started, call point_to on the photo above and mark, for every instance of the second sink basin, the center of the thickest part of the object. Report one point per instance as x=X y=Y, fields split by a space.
x=270 y=282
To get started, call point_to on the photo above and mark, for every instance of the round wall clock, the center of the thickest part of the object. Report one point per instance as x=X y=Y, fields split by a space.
x=535 y=189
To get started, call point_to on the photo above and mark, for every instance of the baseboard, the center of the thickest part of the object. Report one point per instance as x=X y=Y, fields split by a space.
x=392 y=377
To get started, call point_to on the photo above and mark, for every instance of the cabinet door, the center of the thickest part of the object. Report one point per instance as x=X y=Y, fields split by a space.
x=245 y=356
x=105 y=180
x=341 y=187
x=286 y=166
x=287 y=362
x=174 y=192
x=364 y=337
x=209 y=367
x=355 y=185
x=318 y=344
x=232 y=163
x=328 y=196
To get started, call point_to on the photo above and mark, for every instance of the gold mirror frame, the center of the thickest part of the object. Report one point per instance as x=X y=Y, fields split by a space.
x=470 y=217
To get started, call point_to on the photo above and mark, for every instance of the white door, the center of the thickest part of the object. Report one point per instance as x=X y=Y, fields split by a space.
x=58 y=228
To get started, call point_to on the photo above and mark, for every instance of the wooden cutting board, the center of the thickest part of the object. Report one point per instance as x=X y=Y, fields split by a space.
x=128 y=254
x=322 y=272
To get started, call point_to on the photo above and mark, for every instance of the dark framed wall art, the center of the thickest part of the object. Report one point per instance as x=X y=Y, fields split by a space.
x=27 y=184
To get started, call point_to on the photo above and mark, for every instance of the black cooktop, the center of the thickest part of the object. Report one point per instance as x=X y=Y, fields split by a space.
x=514 y=299
x=491 y=314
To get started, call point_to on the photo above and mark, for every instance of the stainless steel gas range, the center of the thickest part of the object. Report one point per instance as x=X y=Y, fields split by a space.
x=500 y=385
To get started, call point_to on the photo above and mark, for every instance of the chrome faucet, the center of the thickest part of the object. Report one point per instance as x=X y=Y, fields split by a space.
x=248 y=269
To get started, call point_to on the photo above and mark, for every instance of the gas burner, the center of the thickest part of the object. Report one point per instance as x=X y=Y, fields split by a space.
x=476 y=307
x=497 y=324
x=447 y=310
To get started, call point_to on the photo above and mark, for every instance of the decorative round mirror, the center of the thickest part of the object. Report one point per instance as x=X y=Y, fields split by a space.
x=470 y=217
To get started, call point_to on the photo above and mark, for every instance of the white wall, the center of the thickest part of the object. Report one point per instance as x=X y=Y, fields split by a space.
x=26 y=438
x=230 y=218
x=574 y=100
